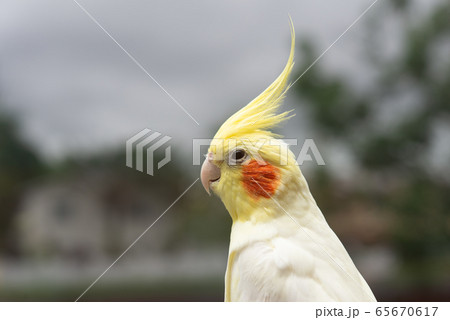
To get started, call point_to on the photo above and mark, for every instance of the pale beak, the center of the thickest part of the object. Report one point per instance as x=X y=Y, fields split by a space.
x=209 y=173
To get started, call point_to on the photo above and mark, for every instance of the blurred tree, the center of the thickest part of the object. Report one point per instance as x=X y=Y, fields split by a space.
x=394 y=171
x=18 y=165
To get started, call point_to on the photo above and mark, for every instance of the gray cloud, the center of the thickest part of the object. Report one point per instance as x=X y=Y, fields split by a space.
x=74 y=89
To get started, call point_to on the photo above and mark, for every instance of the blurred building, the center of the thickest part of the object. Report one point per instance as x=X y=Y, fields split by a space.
x=88 y=216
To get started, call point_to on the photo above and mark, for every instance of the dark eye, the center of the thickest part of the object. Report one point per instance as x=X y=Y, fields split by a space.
x=237 y=156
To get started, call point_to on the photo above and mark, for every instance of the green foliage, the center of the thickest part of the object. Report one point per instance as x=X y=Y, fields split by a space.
x=19 y=164
x=398 y=179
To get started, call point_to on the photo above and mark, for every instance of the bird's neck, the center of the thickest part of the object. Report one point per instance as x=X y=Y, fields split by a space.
x=293 y=197
x=281 y=215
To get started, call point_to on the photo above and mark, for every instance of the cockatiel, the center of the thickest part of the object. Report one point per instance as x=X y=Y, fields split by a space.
x=281 y=247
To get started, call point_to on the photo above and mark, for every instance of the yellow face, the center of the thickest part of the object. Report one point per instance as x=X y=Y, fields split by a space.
x=247 y=172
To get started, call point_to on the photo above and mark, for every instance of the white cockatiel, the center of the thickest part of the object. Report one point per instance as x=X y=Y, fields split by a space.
x=281 y=247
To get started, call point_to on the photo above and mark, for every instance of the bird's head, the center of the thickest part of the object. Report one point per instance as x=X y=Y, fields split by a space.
x=247 y=165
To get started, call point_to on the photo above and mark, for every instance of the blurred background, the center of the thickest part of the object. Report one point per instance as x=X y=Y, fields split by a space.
x=377 y=106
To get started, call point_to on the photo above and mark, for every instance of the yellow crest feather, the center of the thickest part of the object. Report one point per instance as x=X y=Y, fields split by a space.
x=260 y=114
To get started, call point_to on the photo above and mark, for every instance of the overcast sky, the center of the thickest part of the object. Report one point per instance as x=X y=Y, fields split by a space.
x=75 y=90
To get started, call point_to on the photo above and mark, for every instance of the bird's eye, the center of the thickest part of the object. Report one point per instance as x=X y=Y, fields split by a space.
x=237 y=156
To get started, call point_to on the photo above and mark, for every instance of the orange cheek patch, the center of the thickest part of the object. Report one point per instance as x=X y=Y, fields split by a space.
x=260 y=179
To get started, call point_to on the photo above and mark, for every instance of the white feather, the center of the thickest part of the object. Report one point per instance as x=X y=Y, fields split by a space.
x=283 y=260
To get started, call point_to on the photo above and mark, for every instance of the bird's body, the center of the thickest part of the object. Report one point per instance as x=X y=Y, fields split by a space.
x=281 y=247
x=291 y=259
